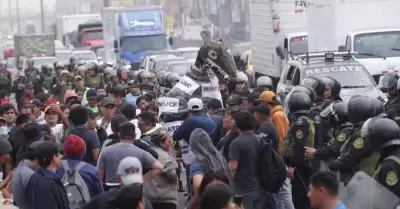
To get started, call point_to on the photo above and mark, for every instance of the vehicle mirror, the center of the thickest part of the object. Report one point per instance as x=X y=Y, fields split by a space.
x=342 y=48
x=279 y=52
x=171 y=41
x=116 y=44
x=116 y=50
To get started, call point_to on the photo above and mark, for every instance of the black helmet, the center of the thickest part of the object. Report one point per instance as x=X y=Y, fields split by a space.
x=333 y=85
x=336 y=112
x=360 y=108
x=381 y=133
x=234 y=100
x=299 y=102
x=305 y=89
x=72 y=59
x=389 y=81
x=315 y=83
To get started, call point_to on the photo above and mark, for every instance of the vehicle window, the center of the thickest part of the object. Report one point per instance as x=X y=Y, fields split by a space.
x=189 y=55
x=11 y=63
x=39 y=62
x=181 y=69
x=296 y=77
x=94 y=35
x=348 y=76
x=289 y=75
x=64 y=56
x=348 y=42
x=86 y=56
x=375 y=45
x=298 y=45
x=143 y=43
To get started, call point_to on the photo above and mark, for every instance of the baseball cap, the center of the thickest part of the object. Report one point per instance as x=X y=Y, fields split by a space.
x=253 y=96
x=77 y=77
x=37 y=103
x=263 y=109
x=5 y=146
x=108 y=101
x=195 y=104
x=130 y=170
x=91 y=94
x=268 y=96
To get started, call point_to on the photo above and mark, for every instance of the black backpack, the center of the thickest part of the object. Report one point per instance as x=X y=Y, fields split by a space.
x=271 y=168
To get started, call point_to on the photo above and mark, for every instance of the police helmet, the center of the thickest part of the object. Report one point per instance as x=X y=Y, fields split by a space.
x=389 y=81
x=315 y=83
x=381 y=133
x=91 y=66
x=299 y=102
x=124 y=69
x=164 y=77
x=305 y=89
x=241 y=77
x=81 y=62
x=360 y=108
x=72 y=59
x=107 y=70
x=135 y=74
x=47 y=68
x=234 y=100
x=113 y=73
x=173 y=77
x=60 y=65
x=144 y=74
x=264 y=81
x=82 y=68
x=337 y=111
x=159 y=75
x=333 y=85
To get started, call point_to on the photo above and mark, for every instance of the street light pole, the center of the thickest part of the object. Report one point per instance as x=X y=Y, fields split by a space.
x=10 y=16
x=18 y=18
x=42 y=15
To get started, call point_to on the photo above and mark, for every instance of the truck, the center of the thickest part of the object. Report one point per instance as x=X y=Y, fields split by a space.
x=90 y=34
x=332 y=26
x=26 y=46
x=276 y=25
x=67 y=27
x=130 y=32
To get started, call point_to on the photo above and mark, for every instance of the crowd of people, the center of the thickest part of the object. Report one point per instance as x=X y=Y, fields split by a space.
x=75 y=142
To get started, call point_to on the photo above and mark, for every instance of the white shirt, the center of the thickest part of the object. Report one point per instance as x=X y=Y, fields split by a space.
x=137 y=130
x=58 y=132
x=107 y=128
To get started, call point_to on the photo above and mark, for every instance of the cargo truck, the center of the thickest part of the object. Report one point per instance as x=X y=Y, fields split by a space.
x=29 y=46
x=90 y=34
x=67 y=27
x=130 y=32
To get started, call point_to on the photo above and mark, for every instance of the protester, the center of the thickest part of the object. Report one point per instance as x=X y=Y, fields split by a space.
x=217 y=196
x=207 y=158
x=129 y=111
x=142 y=102
x=23 y=174
x=112 y=155
x=107 y=110
x=38 y=114
x=162 y=190
x=74 y=150
x=53 y=114
x=323 y=191
x=8 y=112
x=216 y=113
x=45 y=189
x=267 y=129
x=114 y=138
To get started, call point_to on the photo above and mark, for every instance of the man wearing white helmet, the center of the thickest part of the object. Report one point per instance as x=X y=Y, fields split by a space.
x=263 y=83
x=237 y=83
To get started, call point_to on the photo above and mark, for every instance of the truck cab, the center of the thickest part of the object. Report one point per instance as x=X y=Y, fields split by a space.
x=292 y=45
x=377 y=49
x=92 y=37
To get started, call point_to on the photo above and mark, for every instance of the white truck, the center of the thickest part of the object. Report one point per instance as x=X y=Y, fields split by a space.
x=358 y=25
x=276 y=25
x=69 y=23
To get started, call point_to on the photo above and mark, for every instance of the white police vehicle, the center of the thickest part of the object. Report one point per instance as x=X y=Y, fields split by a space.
x=353 y=77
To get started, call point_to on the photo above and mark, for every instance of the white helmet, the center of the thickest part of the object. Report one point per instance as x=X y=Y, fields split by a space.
x=241 y=77
x=264 y=81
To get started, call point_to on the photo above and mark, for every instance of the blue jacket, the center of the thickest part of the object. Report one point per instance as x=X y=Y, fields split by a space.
x=191 y=123
x=219 y=132
x=45 y=191
x=89 y=174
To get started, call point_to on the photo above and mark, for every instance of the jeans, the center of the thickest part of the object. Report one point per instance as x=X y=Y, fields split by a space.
x=284 y=196
x=254 y=200
x=270 y=201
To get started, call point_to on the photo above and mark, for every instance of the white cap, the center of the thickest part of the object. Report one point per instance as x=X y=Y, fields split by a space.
x=130 y=170
x=195 y=104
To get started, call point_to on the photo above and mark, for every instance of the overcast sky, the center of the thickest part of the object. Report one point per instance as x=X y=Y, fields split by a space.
x=26 y=5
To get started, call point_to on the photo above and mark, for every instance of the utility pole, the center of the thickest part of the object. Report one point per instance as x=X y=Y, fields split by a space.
x=18 y=18
x=42 y=16
x=10 y=16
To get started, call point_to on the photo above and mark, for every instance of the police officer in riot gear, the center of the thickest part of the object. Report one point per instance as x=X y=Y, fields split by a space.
x=237 y=83
x=320 y=103
x=73 y=64
x=145 y=78
x=383 y=135
x=19 y=85
x=333 y=89
x=336 y=114
x=33 y=75
x=263 y=83
x=389 y=86
x=93 y=78
x=5 y=78
x=394 y=112
x=300 y=135
x=123 y=77
x=173 y=79
x=356 y=154
x=81 y=62
x=81 y=71
x=46 y=78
